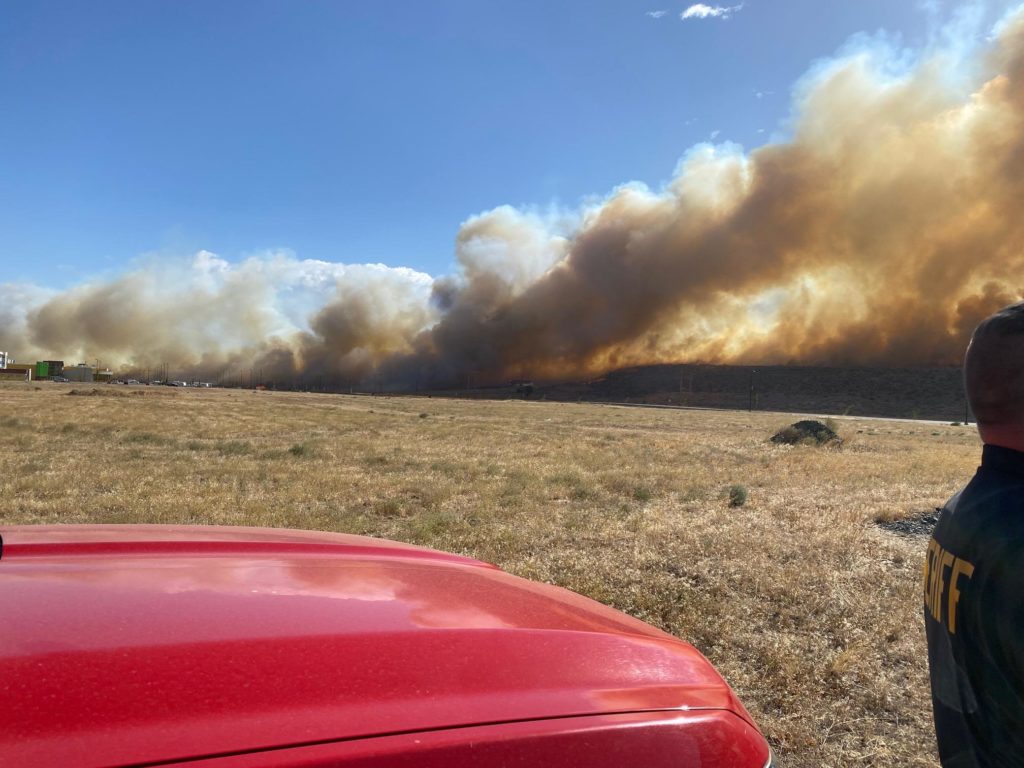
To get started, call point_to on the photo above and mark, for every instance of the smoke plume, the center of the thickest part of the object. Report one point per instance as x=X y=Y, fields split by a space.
x=879 y=232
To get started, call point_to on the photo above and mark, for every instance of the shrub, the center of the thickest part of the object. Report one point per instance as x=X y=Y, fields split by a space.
x=642 y=493
x=300 y=449
x=234 y=448
x=737 y=495
x=144 y=438
x=807 y=432
x=580 y=492
x=388 y=507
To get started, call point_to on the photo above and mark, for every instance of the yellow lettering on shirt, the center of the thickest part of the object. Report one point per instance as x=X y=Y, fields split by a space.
x=945 y=562
x=929 y=573
x=960 y=567
x=941 y=582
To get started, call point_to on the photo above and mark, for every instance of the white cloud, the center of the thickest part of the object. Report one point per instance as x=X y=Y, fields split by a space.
x=762 y=94
x=702 y=11
x=714 y=135
x=655 y=14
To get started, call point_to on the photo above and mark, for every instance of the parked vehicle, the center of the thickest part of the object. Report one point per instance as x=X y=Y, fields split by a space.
x=250 y=648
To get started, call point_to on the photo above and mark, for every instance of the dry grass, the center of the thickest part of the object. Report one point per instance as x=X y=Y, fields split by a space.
x=809 y=609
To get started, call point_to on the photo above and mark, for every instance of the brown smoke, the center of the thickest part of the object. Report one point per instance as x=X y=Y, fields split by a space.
x=880 y=233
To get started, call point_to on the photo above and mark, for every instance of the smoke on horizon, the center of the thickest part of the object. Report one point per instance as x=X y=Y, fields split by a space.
x=880 y=232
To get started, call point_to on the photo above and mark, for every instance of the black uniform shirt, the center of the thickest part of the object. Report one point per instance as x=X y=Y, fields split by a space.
x=974 y=617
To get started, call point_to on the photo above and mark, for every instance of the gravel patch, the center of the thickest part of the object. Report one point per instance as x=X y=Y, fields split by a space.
x=920 y=524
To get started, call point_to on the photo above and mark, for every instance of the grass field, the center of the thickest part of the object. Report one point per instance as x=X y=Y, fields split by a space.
x=808 y=608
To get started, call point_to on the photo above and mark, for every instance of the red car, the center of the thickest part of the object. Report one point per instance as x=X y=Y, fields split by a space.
x=241 y=647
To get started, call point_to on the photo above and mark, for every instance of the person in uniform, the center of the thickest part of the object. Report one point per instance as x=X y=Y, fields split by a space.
x=974 y=568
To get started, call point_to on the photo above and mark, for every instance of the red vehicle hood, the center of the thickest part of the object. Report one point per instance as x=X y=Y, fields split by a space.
x=128 y=644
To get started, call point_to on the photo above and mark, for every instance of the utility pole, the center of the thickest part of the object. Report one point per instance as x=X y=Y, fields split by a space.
x=750 y=404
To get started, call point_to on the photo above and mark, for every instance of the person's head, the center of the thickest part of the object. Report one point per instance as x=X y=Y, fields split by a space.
x=994 y=377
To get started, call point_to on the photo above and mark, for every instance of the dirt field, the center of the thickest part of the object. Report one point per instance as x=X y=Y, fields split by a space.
x=808 y=607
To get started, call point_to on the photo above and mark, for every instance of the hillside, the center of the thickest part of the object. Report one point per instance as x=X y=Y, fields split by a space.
x=916 y=393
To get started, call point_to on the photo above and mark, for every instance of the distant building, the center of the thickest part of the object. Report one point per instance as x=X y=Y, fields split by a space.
x=104 y=375
x=3 y=360
x=80 y=373
x=54 y=367
x=28 y=369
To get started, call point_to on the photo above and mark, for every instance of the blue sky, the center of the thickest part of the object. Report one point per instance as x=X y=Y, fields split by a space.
x=367 y=132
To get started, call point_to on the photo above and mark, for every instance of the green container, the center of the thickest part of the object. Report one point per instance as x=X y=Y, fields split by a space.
x=42 y=370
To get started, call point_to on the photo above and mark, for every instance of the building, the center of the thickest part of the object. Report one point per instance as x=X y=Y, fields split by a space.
x=80 y=373
x=54 y=367
x=28 y=369
x=10 y=374
x=3 y=360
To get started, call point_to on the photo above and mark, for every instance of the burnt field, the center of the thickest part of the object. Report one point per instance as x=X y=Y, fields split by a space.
x=905 y=393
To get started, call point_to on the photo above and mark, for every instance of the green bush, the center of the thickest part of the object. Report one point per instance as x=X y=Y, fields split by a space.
x=737 y=495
